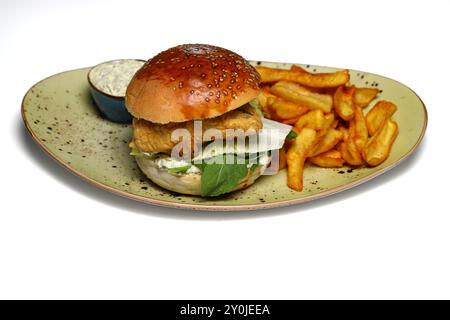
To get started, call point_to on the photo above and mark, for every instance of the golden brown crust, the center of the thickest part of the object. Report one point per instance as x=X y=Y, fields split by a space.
x=189 y=82
x=155 y=137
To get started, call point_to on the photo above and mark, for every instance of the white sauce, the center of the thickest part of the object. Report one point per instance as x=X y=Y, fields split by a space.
x=193 y=169
x=167 y=162
x=113 y=77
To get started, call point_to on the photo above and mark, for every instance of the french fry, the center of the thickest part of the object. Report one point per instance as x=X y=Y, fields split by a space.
x=314 y=119
x=379 y=146
x=358 y=129
x=295 y=93
x=363 y=96
x=296 y=157
x=290 y=121
x=303 y=77
x=284 y=109
x=282 y=159
x=335 y=124
x=349 y=150
x=298 y=69
x=343 y=102
x=378 y=115
x=328 y=142
x=342 y=129
x=327 y=113
x=328 y=121
x=322 y=128
x=264 y=98
x=329 y=159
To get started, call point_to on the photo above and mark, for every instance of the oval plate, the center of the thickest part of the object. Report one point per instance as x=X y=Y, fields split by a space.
x=61 y=116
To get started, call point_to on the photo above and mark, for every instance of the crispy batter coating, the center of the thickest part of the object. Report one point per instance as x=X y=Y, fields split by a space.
x=154 y=137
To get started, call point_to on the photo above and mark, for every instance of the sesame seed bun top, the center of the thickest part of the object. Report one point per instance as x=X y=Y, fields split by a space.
x=191 y=82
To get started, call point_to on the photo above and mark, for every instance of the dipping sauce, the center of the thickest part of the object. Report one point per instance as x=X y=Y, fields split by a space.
x=108 y=85
x=113 y=77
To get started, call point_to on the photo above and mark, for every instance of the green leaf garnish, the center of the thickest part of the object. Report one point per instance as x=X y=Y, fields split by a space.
x=220 y=178
x=135 y=152
x=179 y=169
x=254 y=103
x=291 y=135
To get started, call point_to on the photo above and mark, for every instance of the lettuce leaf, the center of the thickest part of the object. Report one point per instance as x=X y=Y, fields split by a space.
x=254 y=103
x=220 y=178
x=179 y=169
x=291 y=135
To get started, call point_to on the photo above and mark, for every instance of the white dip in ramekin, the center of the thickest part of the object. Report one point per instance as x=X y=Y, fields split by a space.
x=113 y=77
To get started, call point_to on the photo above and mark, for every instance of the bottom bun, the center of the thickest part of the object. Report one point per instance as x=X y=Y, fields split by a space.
x=186 y=183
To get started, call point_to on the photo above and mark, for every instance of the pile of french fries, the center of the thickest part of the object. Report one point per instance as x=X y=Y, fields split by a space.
x=327 y=114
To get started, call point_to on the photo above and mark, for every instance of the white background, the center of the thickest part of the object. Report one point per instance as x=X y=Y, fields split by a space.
x=63 y=238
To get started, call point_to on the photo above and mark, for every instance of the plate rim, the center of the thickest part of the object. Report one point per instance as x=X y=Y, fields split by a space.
x=245 y=207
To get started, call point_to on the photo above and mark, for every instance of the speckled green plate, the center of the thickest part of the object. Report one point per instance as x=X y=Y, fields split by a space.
x=62 y=118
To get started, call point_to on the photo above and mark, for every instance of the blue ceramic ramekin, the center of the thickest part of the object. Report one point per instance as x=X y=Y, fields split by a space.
x=112 y=107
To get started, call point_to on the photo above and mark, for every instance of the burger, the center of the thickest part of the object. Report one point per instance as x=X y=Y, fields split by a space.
x=182 y=95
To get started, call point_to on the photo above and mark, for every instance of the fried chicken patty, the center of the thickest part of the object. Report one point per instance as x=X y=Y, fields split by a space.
x=154 y=137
